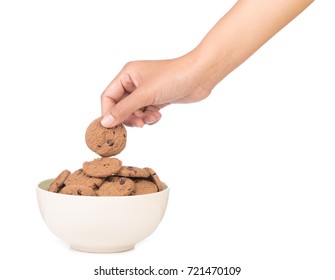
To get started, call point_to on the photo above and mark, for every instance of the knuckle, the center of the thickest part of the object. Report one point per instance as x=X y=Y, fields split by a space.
x=117 y=111
x=129 y=65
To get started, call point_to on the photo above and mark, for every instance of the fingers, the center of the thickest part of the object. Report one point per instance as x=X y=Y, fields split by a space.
x=114 y=92
x=125 y=107
x=150 y=115
x=148 y=118
x=152 y=118
x=111 y=95
x=126 y=101
x=127 y=111
x=133 y=121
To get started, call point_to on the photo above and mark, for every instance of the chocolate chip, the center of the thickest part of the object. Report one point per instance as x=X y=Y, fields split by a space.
x=110 y=143
x=99 y=146
x=122 y=181
x=130 y=168
x=79 y=192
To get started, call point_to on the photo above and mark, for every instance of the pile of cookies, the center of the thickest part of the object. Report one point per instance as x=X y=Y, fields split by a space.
x=106 y=176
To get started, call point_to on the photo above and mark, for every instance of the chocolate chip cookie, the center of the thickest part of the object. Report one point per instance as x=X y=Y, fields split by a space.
x=154 y=178
x=131 y=171
x=143 y=186
x=58 y=183
x=79 y=178
x=105 y=141
x=78 y=190
x=116 y=186
x=102 y=167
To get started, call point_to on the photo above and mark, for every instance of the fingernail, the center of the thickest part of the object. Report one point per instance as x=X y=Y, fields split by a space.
x=150 y=121
x=108 y=120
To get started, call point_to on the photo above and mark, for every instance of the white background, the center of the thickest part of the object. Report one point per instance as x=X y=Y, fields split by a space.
x=251 y=168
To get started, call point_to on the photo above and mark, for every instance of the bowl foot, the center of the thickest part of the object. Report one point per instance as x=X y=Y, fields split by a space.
x=102 y=249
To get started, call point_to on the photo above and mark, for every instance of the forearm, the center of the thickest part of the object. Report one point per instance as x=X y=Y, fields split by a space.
x=243 y=30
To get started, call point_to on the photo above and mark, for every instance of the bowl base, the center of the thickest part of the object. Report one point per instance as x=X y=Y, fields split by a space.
x=102 y=250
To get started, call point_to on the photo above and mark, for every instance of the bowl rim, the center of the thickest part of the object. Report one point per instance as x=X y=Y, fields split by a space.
x=40 y=188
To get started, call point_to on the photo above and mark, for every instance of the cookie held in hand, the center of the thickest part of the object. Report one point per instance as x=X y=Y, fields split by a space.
x=104 y=141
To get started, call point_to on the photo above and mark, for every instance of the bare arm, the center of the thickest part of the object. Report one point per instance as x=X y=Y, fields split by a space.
x=142 y=88
x=243 y=30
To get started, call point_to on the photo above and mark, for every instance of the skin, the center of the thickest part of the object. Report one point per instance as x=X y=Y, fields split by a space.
x=136 y=95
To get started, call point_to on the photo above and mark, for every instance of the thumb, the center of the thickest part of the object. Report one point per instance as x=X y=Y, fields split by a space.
x=124 y=108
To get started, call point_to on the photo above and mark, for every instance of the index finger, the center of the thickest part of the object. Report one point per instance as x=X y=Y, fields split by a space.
x=122 y=84
x=111 y=95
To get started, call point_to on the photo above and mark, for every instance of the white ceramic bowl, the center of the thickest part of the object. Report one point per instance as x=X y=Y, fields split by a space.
x=101 y=224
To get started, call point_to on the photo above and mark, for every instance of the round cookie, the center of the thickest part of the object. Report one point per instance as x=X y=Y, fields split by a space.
x=144 y=187
x=105 y=141
x=102 y=167
x=154 y=178
x=116 y=186
x=58 y=183
x=131 y=171
x=79 y=178
x=78 y=190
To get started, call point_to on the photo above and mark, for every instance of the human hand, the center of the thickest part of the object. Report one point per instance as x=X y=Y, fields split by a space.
x=142 y=88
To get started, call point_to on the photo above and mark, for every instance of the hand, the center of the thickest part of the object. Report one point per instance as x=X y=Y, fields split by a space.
x=142 y=88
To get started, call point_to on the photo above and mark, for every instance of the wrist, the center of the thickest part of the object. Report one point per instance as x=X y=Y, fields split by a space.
x=208 y=67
